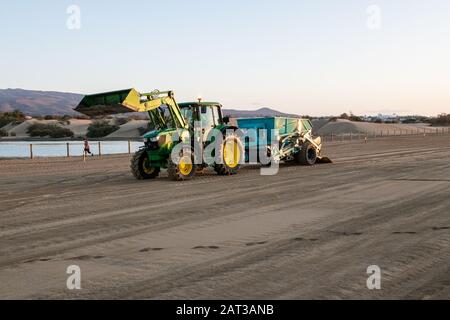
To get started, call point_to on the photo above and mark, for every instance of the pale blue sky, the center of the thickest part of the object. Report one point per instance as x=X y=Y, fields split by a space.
x=308 y=57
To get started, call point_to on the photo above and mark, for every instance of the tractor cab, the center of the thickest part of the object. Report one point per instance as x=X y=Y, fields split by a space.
x=207 y=114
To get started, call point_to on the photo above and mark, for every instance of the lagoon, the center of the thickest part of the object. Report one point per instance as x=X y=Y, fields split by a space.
x=21 y=149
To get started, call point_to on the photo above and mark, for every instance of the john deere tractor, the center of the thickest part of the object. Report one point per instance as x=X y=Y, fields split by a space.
x=171 y=125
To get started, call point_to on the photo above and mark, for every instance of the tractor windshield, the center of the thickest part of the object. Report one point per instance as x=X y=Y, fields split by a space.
x=163 y=118
x=188 y=114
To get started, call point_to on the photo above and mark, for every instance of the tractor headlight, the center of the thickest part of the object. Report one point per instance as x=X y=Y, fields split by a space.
x=154 y=139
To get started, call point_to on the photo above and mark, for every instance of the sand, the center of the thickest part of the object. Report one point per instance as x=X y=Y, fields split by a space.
x=309 y=232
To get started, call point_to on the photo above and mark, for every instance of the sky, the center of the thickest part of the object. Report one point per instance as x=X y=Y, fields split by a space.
x=321 y=57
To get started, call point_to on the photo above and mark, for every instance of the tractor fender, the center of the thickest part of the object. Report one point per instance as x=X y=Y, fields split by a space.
x=225 y=128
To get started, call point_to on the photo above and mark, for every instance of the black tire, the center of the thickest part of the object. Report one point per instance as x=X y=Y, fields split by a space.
x=177 y=170
x=307 y=155
x=223 y=168
x=139 y=167
x=272 y=160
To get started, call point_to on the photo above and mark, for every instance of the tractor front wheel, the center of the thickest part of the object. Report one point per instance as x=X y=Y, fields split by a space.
x=230 y=157
x=183 y=168
x=141 y=167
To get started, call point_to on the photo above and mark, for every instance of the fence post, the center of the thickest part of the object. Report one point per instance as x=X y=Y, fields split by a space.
x=31 y=151
x=129 y=147
x=99 y=148
x=68 y=150
x=332 y=137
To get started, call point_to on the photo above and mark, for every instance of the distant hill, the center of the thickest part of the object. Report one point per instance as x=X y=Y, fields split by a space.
x=38 y=103
x=42 y=103
x=263 y=112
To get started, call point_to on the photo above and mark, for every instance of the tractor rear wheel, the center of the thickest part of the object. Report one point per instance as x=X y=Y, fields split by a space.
x=183 y=168
x=141 y=167
x=307 y=155
x=231 y=155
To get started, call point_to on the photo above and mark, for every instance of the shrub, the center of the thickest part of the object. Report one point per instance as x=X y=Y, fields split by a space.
x=101 y=128
x=355 y=118
x=148 y=128
x=3 y=133
x=122 y=121
x=11 y=117
x=49 y=130
x=441 y=120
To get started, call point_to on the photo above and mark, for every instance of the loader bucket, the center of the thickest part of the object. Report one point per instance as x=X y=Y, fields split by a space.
x=109 y=103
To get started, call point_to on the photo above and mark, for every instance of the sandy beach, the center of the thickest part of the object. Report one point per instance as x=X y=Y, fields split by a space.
x=308 y=232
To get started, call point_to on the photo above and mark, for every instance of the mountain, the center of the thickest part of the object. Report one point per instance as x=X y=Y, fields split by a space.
x=42 y=103
x=39 y=103
x=263 y=112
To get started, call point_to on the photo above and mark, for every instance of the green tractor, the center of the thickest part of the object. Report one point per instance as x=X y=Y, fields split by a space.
x=173 y=125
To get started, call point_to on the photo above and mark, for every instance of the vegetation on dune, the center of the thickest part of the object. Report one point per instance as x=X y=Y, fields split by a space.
x=3 y=133
x=49 y=130
x=144 y=130
x=101 y=128
x=443 y=120
x=122 y=121
x=351 y=117
x=14 y=117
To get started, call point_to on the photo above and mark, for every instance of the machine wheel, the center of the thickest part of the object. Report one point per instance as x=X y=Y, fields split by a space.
x=272 y=160
x=140 y=166
x=231 y=155
x=308 y=155
x=185 y=169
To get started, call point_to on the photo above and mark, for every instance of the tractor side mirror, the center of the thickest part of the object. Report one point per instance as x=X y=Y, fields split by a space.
x=226 y=120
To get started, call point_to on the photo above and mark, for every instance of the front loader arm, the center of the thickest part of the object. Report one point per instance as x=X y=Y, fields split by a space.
x=129 y=100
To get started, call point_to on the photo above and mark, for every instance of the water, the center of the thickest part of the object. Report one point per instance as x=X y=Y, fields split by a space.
x=21 y=149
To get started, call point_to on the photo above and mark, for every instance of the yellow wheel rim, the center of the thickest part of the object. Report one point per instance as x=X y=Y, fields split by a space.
x=231 y=154
x=185 y=165
x=146 y=167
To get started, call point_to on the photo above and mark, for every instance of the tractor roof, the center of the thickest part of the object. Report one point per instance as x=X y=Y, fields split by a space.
x=197 y=104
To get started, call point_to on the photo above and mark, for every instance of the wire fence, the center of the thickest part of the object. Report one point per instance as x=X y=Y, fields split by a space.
x=336 y=137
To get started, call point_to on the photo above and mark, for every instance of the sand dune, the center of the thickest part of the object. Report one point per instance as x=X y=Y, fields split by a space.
x=77 y=126
x=321 y=127
x=346 y=126
x=129 y=130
